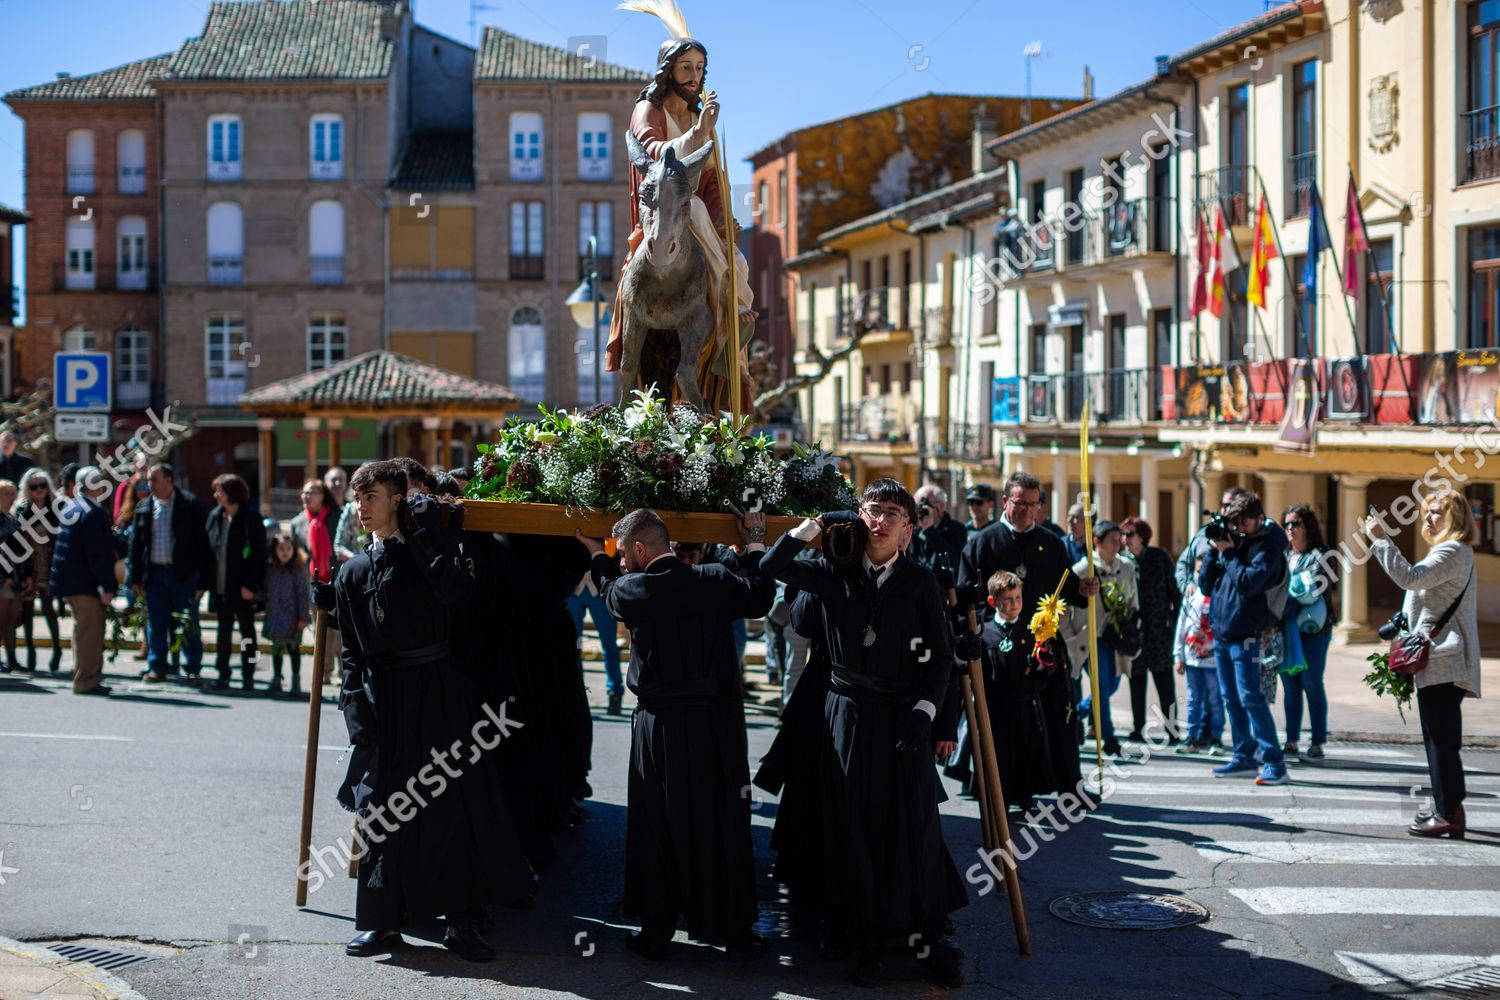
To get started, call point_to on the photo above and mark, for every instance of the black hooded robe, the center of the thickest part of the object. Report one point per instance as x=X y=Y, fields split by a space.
x=886 y=865
x=688 y=847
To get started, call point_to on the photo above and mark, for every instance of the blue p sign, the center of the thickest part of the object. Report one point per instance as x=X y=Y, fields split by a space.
x=82 y=380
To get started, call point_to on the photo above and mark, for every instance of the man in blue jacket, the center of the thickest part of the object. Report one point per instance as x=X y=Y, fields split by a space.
x=1238 y=573
x=83 y=572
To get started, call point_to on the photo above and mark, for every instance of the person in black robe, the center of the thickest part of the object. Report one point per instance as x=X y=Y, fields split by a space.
x=434 y=822
x=1015 y=683
x=790 y=766
x=1038 y=557
x=888 y=874
x=688 y=848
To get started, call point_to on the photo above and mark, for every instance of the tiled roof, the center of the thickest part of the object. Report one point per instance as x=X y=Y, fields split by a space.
x=289 y=40
x=379 y=380
x=131 y=82
x=436 y=161
x=503 y=56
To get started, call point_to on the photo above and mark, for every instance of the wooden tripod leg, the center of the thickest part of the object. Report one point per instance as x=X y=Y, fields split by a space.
x=987 y=824
x=310 y=762
x=985 y=740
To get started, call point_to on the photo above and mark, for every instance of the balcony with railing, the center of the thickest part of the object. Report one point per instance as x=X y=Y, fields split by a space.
x=132 y=394
x=965 y=441
x=225 y=390
x=80 y=180
x=327 y=270
x=606 y=267
x=1482 y=144
x=527 y=268
x=1026 y=248
x=226 y=270
x=1301 y=176
x=875 y=420
x=1232 y=188
x=131 y=180
x=1128 y=229
x=1116 y=396
x=65 y=279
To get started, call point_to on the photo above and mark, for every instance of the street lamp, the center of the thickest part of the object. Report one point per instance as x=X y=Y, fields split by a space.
x=584 y=302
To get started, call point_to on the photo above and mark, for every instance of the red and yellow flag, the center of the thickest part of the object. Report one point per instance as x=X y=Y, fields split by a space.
x=1260 y=256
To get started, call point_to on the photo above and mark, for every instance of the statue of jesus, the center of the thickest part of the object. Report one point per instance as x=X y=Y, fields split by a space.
x=675 y=112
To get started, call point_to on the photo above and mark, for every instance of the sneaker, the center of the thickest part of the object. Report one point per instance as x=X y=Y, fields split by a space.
x=1216 y=750
x=1291 y=750
x=1314 y=752
x=1191 y=746
x=1272 y=775
x=1234 y=767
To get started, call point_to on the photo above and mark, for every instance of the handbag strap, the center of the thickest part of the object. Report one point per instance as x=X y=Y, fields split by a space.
x=1443 y=621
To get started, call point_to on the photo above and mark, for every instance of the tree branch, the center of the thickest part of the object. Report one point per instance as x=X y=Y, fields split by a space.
x=768 y=399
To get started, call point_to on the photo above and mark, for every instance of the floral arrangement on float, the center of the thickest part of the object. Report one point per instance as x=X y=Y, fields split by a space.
x=583 y=469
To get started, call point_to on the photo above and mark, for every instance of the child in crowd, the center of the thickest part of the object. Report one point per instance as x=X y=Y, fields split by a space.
x=1015 y=685
x=287 y=608
x=1193 y=651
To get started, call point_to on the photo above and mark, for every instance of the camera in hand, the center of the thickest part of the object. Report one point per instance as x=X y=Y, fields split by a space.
x=1219 y=528
x=1395 y=627
x=924 y=510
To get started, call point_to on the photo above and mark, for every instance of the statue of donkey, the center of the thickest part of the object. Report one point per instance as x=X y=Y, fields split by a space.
x=664 y=291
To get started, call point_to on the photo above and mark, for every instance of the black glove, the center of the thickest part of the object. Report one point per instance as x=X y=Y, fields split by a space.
x=916 y=733
x=968 y=647
x=944 y=574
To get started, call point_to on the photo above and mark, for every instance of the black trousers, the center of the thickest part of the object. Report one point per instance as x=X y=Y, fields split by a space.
x=1440 y=707
x=228 y=617
x=1166 y=693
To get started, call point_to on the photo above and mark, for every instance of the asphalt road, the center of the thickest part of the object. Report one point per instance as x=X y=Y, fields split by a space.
x=164 y=820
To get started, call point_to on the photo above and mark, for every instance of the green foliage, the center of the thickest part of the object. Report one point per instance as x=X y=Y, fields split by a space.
x=1385 y=681
x=125 y=627
x=650 y=455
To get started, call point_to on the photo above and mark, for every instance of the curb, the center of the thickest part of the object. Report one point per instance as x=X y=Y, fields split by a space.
x=104 y=984
x=1471 y=742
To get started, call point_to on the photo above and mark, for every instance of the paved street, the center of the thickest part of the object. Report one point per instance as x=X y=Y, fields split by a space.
x=163 y=821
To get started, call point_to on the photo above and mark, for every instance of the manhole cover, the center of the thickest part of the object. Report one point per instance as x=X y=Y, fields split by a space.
x=1135 y=911
x=1471 y=985
x=101 y=958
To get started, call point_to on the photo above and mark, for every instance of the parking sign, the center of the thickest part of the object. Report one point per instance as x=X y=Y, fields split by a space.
x=82 y=381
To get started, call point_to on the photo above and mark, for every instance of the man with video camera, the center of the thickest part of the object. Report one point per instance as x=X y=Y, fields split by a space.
x=938 y=542
x=1246 y=561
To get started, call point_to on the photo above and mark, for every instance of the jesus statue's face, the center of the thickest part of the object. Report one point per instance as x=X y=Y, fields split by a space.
x=687 y=74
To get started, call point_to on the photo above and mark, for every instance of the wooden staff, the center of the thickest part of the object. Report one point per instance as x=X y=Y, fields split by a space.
x=1087 y=499
x=992 y=819
x=736 y=404
x=310 y=764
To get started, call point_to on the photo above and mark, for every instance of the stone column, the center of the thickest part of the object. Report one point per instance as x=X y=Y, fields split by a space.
x=445 y=447
x=1060 y=499
x=335 y=431
x=430 y=426
x=1354 y=610
x=310 y=426
x=1103 y=487
x=1273 y=494
x=266 y=453
x=1150 y=487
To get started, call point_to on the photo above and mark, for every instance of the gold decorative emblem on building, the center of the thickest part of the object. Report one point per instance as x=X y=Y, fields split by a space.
x=1383 y=94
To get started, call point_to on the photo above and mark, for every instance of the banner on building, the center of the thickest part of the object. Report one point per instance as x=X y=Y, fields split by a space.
x=1459 y=388
x=1299 y=427
x=1005 y=401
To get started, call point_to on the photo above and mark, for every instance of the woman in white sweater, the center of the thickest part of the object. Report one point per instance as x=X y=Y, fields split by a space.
x=1444 y=579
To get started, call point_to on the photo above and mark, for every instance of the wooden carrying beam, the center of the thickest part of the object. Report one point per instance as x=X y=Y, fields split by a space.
x=552 y=519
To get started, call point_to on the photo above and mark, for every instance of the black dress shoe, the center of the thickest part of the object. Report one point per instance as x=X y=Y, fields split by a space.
x=98 y=689
x=650 y=945
x=615 y=699
x=374 y=943
x=869 y=970
x=1436 y=826
x=467 y=944
x=942 y=965
x=746 y=946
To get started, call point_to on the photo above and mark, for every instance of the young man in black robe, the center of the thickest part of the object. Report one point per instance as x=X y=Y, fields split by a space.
x=431 y=850
x=1018 y=543
x=890 y=878
x=688 y=848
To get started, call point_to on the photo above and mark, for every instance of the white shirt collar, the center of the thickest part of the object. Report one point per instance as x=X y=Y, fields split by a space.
x=377 y=544
x=883 y=567
x=1020 y=531
x=664 y=555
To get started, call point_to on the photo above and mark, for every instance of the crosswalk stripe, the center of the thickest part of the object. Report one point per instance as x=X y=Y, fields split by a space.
x=1299 y=900
x=1374 y=969
x=1220 y=789
x=1341 y=852
x=1294 y=816
x=1193 y=770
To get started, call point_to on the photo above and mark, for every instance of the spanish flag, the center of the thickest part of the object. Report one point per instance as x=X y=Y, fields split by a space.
x=1260 y=256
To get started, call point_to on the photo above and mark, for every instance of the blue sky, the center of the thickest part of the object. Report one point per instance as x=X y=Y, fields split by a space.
x=777 y=64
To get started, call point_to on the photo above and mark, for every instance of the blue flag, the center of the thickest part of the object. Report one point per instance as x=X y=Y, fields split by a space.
x=1317 y=242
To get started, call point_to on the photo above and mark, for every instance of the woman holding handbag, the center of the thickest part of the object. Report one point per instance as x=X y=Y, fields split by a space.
x=1442 y=647
x=35 y=506
x=1310 y=604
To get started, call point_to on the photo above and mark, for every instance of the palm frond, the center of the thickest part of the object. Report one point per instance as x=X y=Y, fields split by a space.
x=666 y=11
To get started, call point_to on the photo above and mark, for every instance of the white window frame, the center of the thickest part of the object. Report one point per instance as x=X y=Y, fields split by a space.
x=327 y=266
x=222 y=264
x=224 y=358
x=225 y=158
x=132 y=264
x=325 y=153
x=327 y=340
x=526 y=144
x=594 y=160
x=526 y=353
x=79 y=338
x=79 y=145
x=130 y=176
x=132 y=367
x=81 y=258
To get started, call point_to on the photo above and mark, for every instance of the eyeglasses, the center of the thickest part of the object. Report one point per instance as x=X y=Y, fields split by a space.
x=1023 y=504
x=1292 y=524
x=882 y=513
x=37 y=487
